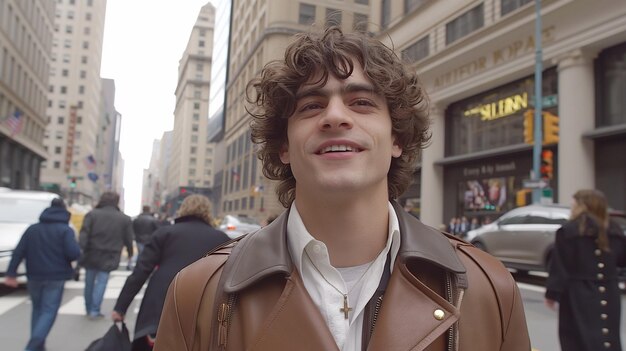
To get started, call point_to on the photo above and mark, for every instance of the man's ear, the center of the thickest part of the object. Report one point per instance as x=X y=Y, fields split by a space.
x=284 y=154
x=396 y=150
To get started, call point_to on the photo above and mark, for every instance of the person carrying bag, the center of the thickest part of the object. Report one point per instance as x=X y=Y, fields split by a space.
x=115 y=339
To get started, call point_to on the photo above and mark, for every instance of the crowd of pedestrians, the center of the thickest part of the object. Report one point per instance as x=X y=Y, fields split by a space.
x=51 y=247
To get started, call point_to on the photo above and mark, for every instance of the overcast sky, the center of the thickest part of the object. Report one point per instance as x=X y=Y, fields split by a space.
x=143 y=41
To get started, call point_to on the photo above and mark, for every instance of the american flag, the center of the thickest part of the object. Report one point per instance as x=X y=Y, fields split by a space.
x=90 y=162
x=15 y=122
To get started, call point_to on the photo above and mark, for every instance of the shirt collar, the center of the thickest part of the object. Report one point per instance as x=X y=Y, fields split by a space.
x=298 y=237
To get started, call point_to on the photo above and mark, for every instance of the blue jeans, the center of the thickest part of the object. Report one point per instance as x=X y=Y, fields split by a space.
x=95 y=284
x=46 y=296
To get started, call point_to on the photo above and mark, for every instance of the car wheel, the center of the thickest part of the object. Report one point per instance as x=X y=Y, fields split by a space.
x=480 y=245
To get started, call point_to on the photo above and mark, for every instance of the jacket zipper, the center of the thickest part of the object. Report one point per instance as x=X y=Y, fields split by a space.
x=379 y=303
x=450 y=298
x=224 y=315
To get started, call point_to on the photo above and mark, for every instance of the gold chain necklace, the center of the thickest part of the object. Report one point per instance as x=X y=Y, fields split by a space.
x=345 y=309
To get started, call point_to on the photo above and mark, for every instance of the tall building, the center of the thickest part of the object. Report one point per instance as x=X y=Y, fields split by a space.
x=477 y=61
x=151 y=189
x=217 y=101
x=191 y=153
x=26 y=32
x=108 y=142
x=260 y=31
x=75 y=106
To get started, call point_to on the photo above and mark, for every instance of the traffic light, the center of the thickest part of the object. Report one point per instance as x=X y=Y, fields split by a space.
x=547 y=164
x=550 y=128
x=529 y=125
x=73 y=182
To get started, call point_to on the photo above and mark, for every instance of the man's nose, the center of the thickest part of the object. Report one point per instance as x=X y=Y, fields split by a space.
x=336 y=115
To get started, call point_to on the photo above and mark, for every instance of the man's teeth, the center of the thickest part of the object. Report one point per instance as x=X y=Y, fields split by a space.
x=339 y=148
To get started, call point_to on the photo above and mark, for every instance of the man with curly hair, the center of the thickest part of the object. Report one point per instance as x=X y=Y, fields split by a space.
x=340 y=123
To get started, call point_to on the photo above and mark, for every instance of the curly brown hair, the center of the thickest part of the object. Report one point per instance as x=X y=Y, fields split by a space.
x=335 y=53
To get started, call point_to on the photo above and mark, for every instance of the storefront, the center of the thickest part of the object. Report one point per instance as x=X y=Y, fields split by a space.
x=488 y=150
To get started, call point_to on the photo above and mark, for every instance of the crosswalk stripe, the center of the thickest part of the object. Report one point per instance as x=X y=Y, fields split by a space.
x=8 y=302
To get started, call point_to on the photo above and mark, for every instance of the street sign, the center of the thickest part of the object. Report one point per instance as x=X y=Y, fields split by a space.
x=549 y=101
x=534 y=184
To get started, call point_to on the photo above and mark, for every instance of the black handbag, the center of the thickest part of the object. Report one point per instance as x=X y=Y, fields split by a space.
x=115 y=339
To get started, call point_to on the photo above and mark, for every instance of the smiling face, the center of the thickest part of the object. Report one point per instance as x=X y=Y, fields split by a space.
x=339 y=138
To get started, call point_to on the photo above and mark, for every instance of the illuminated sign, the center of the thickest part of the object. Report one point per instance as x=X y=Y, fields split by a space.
x=498 y=109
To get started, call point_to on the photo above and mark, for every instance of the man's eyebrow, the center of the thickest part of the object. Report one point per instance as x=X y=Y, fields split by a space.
x=348 y=88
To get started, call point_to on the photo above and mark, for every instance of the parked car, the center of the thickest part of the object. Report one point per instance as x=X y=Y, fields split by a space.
x=18 y=210
x=236 y=226
x=523 y=238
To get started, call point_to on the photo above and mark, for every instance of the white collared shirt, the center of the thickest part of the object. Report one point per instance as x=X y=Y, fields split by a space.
x=347 y=332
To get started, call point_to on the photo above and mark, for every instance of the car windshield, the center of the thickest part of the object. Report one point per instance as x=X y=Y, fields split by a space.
x=21 y=210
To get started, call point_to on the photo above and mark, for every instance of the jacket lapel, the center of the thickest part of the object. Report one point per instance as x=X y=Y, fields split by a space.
x=296 y=315
x=407 y=317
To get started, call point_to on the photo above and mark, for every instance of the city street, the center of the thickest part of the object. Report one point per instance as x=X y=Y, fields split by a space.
x=73 y=331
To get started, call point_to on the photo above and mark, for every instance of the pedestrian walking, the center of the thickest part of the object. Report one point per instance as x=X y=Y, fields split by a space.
x=49 y=247
x=339 y=123
x=170 y=249
x=583 y=276
x=143 y=226
x=105 y=231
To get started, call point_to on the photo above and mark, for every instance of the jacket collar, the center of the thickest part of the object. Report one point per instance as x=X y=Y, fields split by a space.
x=265 y=252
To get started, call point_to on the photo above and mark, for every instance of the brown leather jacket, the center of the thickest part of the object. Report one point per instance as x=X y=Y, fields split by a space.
x=443 y=295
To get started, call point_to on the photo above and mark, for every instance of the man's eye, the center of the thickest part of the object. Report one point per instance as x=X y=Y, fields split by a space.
x=310 y=106
x=363 y=102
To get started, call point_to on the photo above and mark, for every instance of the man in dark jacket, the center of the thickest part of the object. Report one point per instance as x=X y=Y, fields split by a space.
x=49 y=248
x=105 y=231
x=144 y=225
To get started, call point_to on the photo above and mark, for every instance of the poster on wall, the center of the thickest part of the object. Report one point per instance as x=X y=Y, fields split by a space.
x=489 y=194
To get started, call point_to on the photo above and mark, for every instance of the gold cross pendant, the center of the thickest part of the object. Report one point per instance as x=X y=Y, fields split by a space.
x=345 y=309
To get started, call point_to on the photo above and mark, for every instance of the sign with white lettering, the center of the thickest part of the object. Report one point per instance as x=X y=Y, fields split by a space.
x=534 y=184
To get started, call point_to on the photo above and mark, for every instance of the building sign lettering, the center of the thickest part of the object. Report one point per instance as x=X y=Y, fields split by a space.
x=511 y=51
x=489 y=169
x=501 y=108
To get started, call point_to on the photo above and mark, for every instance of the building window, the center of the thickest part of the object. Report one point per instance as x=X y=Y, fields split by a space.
x=333 y=17
x=362 y=2
x=83 y=74
x=201 y=43
x=410 y=5
x=79 y=119
x=65 y=73
x=307 y=14
x=196 y=117
x=57 y=164
x=83 y=59
x=87 y=30
x=193 y=150
x=385 y=13
x=60 y=120
x=88 y=16
x=85 y=45
x=57 y=150
x=465 y=24
x=416 y=51
x=611 y=70
x=507 y=6
x=68 y=29
x=360 y=22
x=81 y=89
x=194 y=128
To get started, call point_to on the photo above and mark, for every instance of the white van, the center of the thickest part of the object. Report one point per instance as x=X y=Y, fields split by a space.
x=18 y=210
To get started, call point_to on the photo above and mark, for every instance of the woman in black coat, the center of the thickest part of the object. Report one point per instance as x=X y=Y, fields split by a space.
x=584 y=276
x=170 y=249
